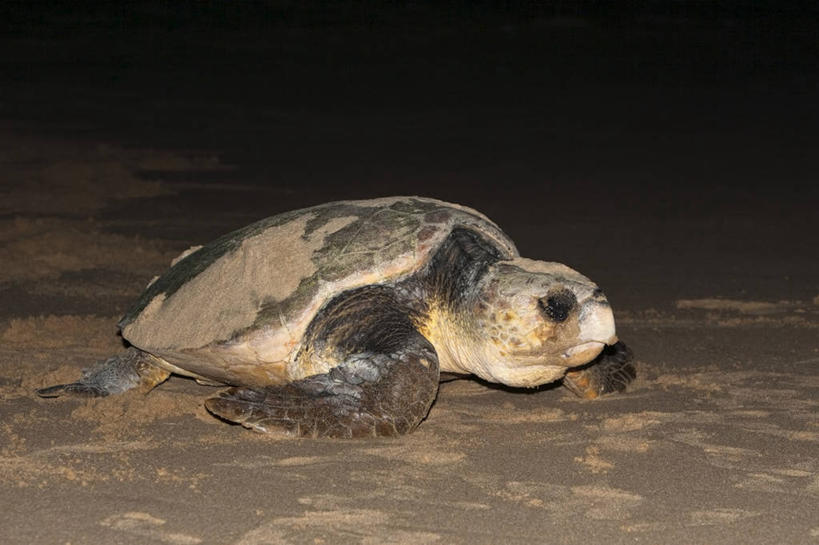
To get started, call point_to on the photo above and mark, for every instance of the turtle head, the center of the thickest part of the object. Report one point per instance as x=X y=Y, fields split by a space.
x=537 y=319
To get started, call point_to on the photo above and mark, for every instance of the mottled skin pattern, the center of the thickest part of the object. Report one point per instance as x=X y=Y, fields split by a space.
x=464 y=303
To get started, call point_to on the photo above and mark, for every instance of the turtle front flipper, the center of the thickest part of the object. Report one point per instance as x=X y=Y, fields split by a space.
x=384 y=382
x=131 y=369
x=367 y=396
x=610 y=372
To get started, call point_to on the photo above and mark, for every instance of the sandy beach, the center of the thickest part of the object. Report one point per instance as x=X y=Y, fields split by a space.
x=673 y=162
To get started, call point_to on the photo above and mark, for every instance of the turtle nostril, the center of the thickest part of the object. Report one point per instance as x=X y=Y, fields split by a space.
x=598 y=292
x=558 y=305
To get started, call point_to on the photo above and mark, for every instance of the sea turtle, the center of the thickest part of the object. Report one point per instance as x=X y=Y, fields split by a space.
x=338 y=320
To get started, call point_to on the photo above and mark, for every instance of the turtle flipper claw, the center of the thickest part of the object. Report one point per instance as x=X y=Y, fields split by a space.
x=610 y=372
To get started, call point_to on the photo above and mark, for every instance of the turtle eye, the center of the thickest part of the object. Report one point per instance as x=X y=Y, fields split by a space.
x=557 y=305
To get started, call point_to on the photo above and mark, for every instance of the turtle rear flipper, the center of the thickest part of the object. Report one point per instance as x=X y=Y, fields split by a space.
x=384 y=382
x=131 y=369
x=610 y=372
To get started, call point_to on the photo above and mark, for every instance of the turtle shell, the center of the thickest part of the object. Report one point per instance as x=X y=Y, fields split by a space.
x=235 y=310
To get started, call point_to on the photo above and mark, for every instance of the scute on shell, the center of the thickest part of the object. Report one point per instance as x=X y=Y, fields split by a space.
x=237 y=308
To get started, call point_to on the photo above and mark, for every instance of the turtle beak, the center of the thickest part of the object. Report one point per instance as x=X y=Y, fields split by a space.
x=596 y=321
x=582 y=353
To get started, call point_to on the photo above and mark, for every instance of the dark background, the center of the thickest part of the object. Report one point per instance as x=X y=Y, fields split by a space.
x=626 y=138
x=667 y=149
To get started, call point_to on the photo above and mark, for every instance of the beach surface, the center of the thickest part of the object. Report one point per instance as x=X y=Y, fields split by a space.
x=673 y=163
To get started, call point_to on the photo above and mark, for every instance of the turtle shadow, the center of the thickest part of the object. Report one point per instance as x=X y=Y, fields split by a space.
x=452 y=377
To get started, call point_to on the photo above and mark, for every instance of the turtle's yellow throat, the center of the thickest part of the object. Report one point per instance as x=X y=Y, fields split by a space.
x=455 y=342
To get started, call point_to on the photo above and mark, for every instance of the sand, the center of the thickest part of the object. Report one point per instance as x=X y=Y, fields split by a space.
x=715 y=290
